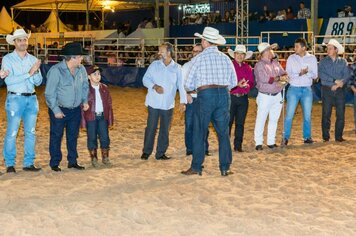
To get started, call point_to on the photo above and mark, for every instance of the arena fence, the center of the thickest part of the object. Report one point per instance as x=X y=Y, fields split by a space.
x=141 y=52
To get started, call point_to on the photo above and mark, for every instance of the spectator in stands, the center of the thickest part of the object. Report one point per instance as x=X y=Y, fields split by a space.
x=149 y=24
x=162 y=79
x=290 y=15
x=217 y=17
x=348 y=11
x=143 y=23
x=232 y=15
x=226 y=16
x=353 y=88
x=334 y=74
x=265 y=11
x=303 y=13
x=281 y=15
x=198 y=19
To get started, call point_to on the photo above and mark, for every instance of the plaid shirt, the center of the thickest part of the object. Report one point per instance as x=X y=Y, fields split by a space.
x=210 y=67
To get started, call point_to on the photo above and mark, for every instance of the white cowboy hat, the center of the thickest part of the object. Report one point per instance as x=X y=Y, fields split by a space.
x=211 y=35
x=240 y=49
x=19 y=33
x=335 y=43
x=263 y=46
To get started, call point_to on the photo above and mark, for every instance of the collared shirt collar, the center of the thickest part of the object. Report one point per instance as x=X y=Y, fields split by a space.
x=170 y=64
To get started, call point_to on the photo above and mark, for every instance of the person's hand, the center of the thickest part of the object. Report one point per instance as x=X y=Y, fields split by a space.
x=339 y=83
x=334 y=87
x=59 y=115
x=85 y=106
x=353 y=88
x=182 y=107
x=303 y=71
x=189 y=99
x=242 y=83
x=4 y=73
x=35 y=67
x=158 y=89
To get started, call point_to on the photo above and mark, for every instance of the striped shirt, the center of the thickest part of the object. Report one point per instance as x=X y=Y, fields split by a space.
x=210 y=67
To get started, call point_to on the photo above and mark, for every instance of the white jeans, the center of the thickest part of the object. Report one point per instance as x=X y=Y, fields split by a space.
x=267 y=105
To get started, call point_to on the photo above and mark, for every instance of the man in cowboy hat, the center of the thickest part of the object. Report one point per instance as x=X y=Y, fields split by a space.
x=191 y=98
x=212 y=75
x=66 y=90
x=302 y=69
x=162 y=79
x=333 y=73
x=22 y=75
x=238 y=95
x=268 y=73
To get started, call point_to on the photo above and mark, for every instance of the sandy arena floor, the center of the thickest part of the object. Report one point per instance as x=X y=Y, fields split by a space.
x=298 y=190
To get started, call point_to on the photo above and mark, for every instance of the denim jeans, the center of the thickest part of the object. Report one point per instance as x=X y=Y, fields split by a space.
x=305 y=96
x=212 y=105
x=26 y=109
x=71 y=122
x=238 y=112
x=188 y=134
x=98 y=128
x=355 y=110
x=165 y=117
x=330 y=99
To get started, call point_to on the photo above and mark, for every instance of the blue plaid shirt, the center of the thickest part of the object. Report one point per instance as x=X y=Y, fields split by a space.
x=211 y=67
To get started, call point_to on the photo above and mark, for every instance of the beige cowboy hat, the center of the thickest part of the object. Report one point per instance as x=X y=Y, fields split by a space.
x=335 y=43
x=19 y=33
x=264 y=46
x=211 y=35
x=240 y=49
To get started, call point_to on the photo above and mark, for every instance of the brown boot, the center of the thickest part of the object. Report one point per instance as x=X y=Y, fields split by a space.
x=105 y=156
x=94 y=157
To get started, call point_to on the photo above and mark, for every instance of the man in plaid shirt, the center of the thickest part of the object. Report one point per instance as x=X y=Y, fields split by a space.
x=353 y=88
x=212 y=75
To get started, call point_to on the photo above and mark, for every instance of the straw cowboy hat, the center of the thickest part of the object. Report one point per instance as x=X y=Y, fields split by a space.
x=240 y=49
x=211 y=35
x=335 y=43
x=73 y=49
x=19 y=33
x=264 y=46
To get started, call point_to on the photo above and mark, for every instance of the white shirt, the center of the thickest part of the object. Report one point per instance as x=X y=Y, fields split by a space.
x=296 y=63
x=170 y=78
x=185 y=72
x=98 y=102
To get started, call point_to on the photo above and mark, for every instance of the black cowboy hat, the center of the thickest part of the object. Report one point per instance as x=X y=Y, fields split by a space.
x=73 y=49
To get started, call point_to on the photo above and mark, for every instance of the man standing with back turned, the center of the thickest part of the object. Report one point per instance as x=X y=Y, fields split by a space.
x=212 y=75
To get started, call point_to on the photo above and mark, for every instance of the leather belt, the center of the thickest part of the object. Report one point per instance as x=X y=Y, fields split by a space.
x=270 y=94
x=210 y=86
x=99 y=113
x=239 y=94
x=22 y=94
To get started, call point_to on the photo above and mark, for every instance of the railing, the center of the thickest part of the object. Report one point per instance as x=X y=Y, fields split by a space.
x=141 y=52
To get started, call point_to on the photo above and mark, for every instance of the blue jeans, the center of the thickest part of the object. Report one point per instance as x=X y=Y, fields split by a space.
x=212 y=105
x=188 y=134
x=26 y=109
x=355 y=110
x=305 y=96
x=98 y=128
x=165 y=117
x=71 y=122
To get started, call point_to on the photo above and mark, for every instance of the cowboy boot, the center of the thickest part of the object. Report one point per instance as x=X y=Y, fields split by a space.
x=94 y=157
x=105 y=156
